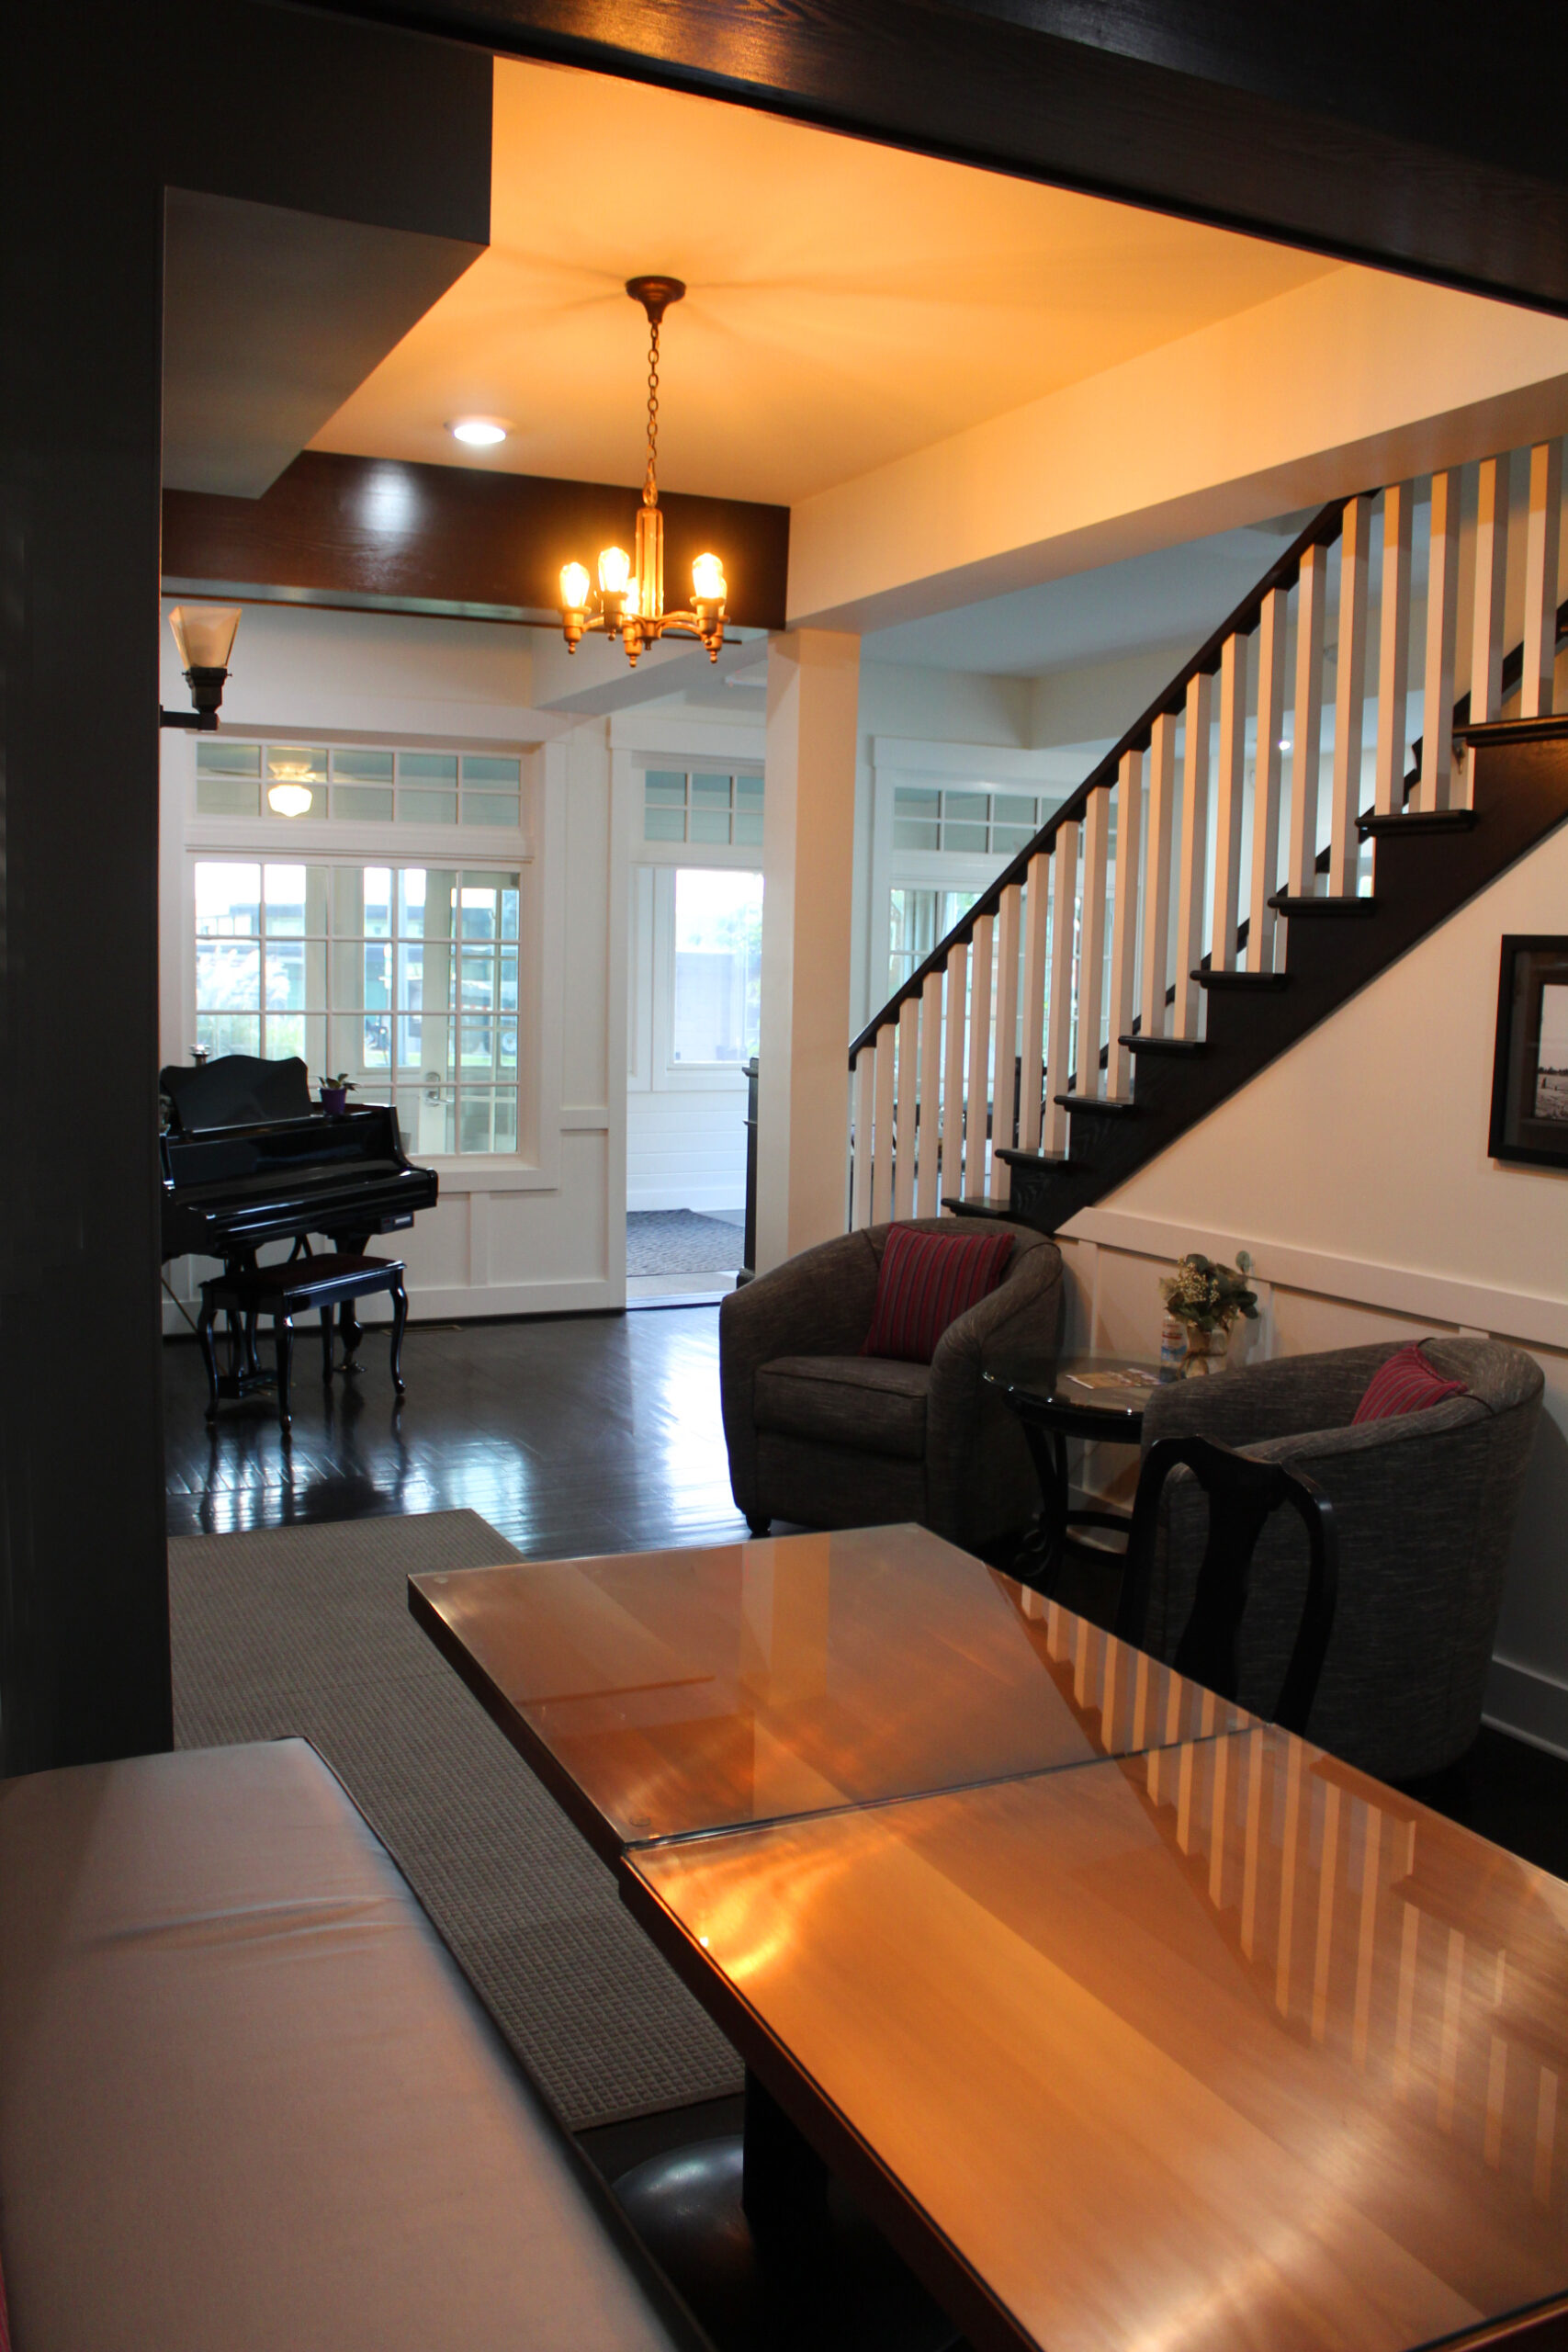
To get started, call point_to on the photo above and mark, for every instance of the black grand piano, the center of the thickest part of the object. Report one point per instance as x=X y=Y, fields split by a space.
x=247 y=1157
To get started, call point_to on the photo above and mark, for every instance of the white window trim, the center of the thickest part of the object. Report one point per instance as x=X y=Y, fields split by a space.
x=536 y=847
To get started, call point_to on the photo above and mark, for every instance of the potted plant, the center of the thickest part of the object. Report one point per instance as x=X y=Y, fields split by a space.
x=335 y=1092
x=1202 y=1301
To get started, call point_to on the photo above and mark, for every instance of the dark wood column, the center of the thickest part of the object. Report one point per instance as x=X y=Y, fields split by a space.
x=104 y=107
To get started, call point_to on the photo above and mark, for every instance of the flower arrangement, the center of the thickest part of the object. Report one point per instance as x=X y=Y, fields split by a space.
x=1209 y=1297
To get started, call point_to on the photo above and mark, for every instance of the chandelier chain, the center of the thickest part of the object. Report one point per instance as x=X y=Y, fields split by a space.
x=650 y=485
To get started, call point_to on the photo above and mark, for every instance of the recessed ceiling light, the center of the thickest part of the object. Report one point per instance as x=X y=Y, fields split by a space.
x=479 y=432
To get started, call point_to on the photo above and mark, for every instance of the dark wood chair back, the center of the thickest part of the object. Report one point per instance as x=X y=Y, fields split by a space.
x=1242 y=1494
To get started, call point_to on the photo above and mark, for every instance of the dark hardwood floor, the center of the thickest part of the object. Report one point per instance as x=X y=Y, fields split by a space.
x=572 y=1434
x=596 y=1433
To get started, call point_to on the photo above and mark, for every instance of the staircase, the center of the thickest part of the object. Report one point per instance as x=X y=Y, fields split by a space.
x=1221 y=881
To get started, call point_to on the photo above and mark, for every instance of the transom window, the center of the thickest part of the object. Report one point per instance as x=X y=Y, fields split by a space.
x=363 y=786
x=690 y=806
x=403 y=977
x=991 y=824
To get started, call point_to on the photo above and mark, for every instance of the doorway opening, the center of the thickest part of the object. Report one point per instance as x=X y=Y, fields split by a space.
x=695 y=985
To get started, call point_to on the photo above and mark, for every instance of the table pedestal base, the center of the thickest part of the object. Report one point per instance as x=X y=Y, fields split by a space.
x=771 y=2254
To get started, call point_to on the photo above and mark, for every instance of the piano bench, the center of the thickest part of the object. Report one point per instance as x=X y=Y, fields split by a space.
x=283 y=1291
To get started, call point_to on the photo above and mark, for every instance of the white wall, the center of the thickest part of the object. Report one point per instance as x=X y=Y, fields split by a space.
x=544 y=1231
x=1356 y=1172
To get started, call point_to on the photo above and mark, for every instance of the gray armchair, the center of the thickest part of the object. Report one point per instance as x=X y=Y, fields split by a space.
x=822 y=1435
x=1425 y=1506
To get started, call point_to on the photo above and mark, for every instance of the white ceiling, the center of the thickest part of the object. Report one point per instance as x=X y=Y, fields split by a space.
x=1177 y=596
x=848 y=303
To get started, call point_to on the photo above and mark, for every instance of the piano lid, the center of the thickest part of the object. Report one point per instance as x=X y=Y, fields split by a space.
x=235 y=1091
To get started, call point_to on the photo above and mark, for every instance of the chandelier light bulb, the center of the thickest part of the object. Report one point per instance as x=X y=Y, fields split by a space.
x=708 y=582
x=631 y=606
x=574 y=587
x=615 y=571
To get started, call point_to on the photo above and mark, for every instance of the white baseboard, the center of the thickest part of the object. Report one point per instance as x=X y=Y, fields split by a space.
x=1530 y=1705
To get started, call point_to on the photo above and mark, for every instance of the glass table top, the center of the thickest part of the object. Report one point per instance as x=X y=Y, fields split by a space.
x=660 y=1693
x=1115 y=1386
x=1224 y=2046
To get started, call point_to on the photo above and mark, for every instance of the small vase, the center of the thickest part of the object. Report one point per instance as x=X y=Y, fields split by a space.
x=1206 y=1352
x=334 y=1101
x=1172 y=1347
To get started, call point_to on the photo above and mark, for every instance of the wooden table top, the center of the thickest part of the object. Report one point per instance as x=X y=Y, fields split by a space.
x=663 y=1693
x=1224 y=2047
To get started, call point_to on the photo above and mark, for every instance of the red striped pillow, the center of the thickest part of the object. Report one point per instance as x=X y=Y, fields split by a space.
x=1405 y=1383
x=925 y=1282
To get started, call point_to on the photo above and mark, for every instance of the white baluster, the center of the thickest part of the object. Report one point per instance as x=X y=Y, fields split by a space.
x=1263 y=921
x=865 y=1082
x=1091 y=942
x=882 y=1180
x=978 y=1108
x=953 y=1071
x=927 y=1202
x=1194 y=855
x=1009 y=923
x=1537 y=686
x=1442 y=618
x=1351 y=699
x=1157 y=890
x=904 y=1106
x=1059 y=1044
x=1125 y=920
x=1486 y=645
x=1393 y=650
x=1229 y=798
x=1036 y=924
x=1306 y=723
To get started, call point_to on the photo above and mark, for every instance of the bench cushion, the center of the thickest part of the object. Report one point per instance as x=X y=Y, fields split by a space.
x=247 y=2100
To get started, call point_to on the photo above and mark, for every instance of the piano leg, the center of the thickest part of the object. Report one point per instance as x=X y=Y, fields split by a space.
x=326 y=1315
x=399 y=1320
x=353 y=1245
x=208 y=1355
x=283 y=1334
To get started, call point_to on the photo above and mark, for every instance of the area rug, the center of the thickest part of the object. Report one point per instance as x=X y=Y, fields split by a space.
x=306 y=1630
x=683 y=1241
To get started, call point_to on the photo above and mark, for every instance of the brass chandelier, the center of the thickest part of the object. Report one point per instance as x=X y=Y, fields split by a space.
x=630 y=599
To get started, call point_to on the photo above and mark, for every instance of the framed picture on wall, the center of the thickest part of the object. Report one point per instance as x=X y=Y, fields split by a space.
x=1529 y=1071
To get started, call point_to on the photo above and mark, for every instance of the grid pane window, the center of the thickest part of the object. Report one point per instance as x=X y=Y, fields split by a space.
x=404 y=978
x=920 y=918
x=361 y=783
x=723 y=812
x=974 y=821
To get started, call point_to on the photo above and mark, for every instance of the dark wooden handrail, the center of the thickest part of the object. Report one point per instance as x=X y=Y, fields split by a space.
x=1322 y=531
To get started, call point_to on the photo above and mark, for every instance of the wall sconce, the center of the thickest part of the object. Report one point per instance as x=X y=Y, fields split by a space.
x=205 y=635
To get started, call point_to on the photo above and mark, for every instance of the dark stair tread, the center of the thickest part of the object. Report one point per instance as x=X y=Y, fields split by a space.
x=1109 y=1106
x=1002 y=1210
x=1242 y=983
x=1416 y=822
x=1015 y=1158
x=1311 y=903
x=1162 y=1045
